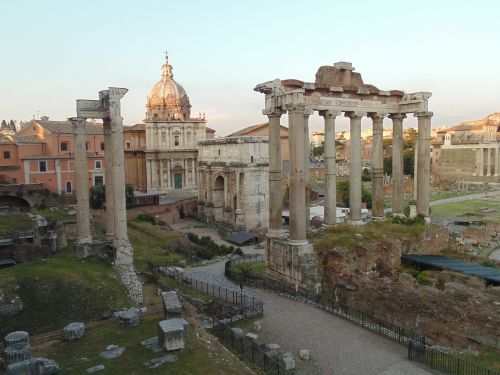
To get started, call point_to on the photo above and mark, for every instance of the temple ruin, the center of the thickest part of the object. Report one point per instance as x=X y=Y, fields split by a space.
x=337 y=89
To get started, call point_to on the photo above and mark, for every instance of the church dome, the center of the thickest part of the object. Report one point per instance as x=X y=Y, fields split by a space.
x=168 y=100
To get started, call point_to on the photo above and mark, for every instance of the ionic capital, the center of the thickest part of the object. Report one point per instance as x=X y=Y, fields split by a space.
x=423 y=114
x=329 y=113
x=397 y=116
x=354 y=115
x=295 y=107
x=273 y=112
x=78 y=123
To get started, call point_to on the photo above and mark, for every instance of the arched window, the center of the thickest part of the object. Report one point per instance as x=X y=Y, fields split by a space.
x=69 y=187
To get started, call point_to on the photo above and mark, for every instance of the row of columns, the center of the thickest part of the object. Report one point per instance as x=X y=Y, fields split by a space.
x=492 y=161
x=158 y=169
x=298 y=139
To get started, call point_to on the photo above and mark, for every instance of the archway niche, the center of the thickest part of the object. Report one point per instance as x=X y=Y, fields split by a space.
x=218 y=192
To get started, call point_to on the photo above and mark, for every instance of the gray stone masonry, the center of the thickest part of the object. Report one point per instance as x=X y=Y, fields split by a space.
x=172 y=333
x=74 y=330
x=15 y=337
x=17 y=352
x=172 y=307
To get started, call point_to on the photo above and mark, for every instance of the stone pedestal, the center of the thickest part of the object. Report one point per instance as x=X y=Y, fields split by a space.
x=294 y=262
x=413 y=209
x=172 y=334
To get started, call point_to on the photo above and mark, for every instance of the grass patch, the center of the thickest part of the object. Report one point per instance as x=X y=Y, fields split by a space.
x=487 y=357
x=11 y=223
x=250 y=269
x=195 y=359
x=472 y=207
x=173 y=284
x=150 y=243
x=349 y=236
x=54 y=216
x=60 y=290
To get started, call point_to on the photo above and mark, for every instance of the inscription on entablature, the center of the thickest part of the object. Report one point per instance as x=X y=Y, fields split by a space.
x=345 y=103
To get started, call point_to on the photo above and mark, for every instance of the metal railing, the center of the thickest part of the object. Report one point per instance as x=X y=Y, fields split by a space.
x=364 y=319
x=445 y=362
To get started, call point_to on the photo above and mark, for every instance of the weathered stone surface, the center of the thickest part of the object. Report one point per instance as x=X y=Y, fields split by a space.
x=305 y=354
x=112 y=351
x=130 y=317
x=172 y=307
x=33 y=366
x=11 y=308
x=272 y=349
x=172 y=333
x=16 y=337
x=17 y=352
x=257 y=325
x=238 y=332
x=288 y=361
x=74 y=330
x=152 y=343
x=97 y=368
x=156 y=362
x=252 y=337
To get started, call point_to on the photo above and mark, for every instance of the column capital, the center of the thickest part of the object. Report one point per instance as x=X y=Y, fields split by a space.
x=423 y=114
x=397 y=116
x=77 y=121
x=308 y=112
x=273 y=112
x=354 y=114
x=329 y=113
x=377 y=117
x=295 y=107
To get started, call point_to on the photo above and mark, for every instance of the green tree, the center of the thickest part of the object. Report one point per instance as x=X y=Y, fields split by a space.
x=343 y=192
x=388 y=165
x=409 y=138
x=387 y=142
x=97 y=196
x=408 y=161
x=319 y=150
x=366 y=176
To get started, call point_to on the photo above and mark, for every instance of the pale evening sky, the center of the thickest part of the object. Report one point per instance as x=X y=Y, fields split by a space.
x=54 y=52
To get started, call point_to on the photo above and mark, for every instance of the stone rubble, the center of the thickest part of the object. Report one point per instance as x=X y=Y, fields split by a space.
x=97 y=368
x=172 y=333
x=153 y=344
x=156 y=362
x=74 y=331
x=112 y=351
x=130 y=317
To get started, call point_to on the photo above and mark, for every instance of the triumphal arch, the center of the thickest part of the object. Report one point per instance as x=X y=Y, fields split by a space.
x=337 y=90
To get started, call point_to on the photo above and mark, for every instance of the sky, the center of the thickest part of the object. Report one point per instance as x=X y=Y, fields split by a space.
x=54 y=52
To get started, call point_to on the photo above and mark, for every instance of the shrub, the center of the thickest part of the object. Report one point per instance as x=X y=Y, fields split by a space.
x=146 y=218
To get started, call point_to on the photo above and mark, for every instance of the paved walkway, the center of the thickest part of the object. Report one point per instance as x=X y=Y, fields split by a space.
x=463 y=198
x=337 y=346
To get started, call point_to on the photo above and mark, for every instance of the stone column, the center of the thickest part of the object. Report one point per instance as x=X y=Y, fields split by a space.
x=109 y=181
x=377 y=166
x=169 y=179
x=82 y=187
x=397 y=163
x=193 y=172
x=162 y=183
x=424 y=162
x=238 y=212
x=488 y=161
x=148 y=175
x=330 y=168
x=275 y=229
x=297 y=174
x=497 y=161
x=307 y=176
x=355 y=168
x=209 y=204
x=480 y=164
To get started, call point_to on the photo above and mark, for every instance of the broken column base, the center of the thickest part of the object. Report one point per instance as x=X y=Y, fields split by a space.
x=83 y=249
x=294 y=262
x=172 y=334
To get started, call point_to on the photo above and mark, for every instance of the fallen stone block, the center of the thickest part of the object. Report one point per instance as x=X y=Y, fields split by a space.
x=16 y=337
x=130 y=317
x=305 y=354
x=252 y=337
x=74 y=331
x=156 y=362
x=152 y=343
x=172 y=333
x=257 y=325
x=272 y=349
x=238 y=332
x=17 y=352
x=97 y=368
x=112 y=351
x=33 y=366
x=288 y=361
x=172 y=307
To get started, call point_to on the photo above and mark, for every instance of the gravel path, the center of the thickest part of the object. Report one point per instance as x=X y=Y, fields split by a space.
x=337 y=346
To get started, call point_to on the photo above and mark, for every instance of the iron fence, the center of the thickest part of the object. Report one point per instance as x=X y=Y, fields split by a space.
x=311 y=296
x=248 y=305
x=445 y=362
x=249 y=349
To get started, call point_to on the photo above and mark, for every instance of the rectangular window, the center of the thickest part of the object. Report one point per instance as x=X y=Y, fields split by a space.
x=102 y=146
x=176 y=140
x=98 y=164
x=42 y=166
x=64 y=146
x=6 y=155
x=98 y=181
x=87 y=145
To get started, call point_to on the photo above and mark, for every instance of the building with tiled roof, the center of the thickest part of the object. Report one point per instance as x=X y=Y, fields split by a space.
x=468 y=151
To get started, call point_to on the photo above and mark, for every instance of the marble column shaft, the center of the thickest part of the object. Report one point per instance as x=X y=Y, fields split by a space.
x=109 y=181
x=488 y=161
x=275 y=162
x=497 y=161
x=397 y=163
x=480 y=164
x=355 y=167
x=82 y=182
x=307 y=176
x=377 y=166
x=424 y=162
x=330 y=168
x=297 y=174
